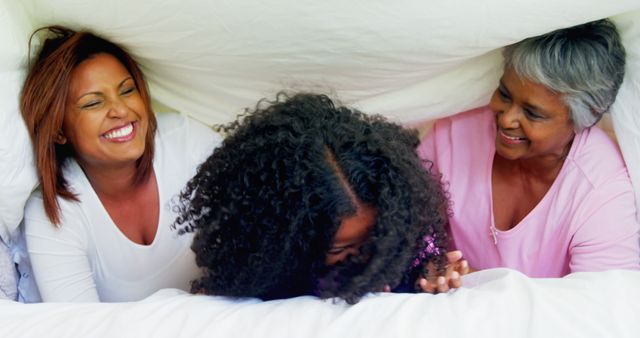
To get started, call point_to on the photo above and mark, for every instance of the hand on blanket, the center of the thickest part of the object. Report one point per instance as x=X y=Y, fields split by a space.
x=456 y=268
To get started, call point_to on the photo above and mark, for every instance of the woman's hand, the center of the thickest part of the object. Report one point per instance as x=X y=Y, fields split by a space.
x=456 y=268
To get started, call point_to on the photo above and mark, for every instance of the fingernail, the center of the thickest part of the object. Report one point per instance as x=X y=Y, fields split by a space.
x=441 y=280
x=455 y=275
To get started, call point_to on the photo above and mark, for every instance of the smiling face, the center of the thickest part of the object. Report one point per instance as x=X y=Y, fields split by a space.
x=353 y=232
x=532 y=121
x=106 y=120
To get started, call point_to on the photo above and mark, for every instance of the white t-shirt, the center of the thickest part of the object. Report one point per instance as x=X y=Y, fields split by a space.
x=88 y=258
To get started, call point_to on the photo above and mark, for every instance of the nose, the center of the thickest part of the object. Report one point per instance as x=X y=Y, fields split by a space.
x=352 y=251
x=334 y=259
x=118 y=108
x=509 y=117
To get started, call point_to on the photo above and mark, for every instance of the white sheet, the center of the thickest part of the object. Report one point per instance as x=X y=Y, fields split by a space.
x=503 y=303
x=411 y=60
x=408 y=59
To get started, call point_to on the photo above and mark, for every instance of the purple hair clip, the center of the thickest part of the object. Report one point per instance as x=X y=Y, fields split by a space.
x=430 y=249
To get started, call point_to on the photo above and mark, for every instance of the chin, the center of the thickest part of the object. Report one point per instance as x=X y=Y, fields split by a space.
x=131 y=156
x=508 y=154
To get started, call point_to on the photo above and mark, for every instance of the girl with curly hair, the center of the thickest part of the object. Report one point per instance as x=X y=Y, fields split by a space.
x=306 y=198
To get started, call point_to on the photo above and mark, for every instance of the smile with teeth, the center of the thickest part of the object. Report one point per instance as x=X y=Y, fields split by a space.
x=511 y=140
x=121 y=133
x=514 y=138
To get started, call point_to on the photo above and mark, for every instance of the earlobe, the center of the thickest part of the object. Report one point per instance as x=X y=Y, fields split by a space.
x=60 y=139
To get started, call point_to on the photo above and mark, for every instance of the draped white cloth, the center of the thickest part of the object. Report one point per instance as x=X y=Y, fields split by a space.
x=411 y=60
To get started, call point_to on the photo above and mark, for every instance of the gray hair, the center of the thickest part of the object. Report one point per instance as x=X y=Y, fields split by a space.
x=585 y=64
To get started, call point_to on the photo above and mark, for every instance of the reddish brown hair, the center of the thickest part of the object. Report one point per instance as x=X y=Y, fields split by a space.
x=43 y=105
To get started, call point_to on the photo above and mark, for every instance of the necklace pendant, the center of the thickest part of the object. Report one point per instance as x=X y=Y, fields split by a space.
x=494 y=234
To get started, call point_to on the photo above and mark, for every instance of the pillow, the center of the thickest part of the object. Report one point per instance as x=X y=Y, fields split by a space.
x=625 y=112
x=17 y=173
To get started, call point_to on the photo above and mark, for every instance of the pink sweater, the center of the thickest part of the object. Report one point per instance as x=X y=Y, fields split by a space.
x=585 y=222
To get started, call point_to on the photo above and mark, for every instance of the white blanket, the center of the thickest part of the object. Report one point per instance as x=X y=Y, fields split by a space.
x=411 y=60
x=496 y=303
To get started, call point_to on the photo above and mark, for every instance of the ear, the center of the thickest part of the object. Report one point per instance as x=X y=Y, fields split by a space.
x=60 y=138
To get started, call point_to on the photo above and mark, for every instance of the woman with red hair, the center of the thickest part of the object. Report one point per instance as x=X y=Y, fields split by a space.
x=97 y=228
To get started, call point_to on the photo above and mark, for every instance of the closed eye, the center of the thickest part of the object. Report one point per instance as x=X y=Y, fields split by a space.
x=337 y=250
x=90 y=104
x=127 y=86
x=532 y=115
x=128 y=90
x=504 y=95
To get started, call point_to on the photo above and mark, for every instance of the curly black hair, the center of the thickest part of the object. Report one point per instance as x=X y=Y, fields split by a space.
x=267 y=203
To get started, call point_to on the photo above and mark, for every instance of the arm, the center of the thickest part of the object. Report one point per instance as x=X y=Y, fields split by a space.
x=608 y=232
x=59 y=254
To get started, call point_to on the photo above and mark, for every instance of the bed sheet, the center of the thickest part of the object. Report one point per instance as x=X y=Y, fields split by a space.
x=495 y=303
x=408 y=59
x=411 y=60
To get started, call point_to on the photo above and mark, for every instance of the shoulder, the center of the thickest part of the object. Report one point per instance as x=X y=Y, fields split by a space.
x=71 y=211
x=599 y=159
x=469 y=133
x=182 y=135
x=34 y=213
x=599 y=182
x=471 y=124
x=72 y=219
x=171 y=124
x=469 y=117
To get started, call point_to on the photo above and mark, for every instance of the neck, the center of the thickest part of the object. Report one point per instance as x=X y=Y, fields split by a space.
x=111 y=182
x=544 y=169
x=545 y=172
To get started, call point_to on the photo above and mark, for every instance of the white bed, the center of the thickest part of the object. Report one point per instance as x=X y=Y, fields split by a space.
x=497 y=303
x=412 y=60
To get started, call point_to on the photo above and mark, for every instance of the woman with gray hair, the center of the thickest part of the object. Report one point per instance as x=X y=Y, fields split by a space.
x=534 y=185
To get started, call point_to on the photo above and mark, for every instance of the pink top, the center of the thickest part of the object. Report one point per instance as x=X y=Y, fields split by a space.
x=585 y=222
